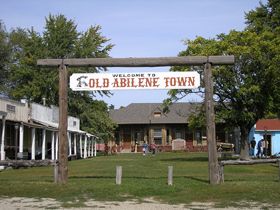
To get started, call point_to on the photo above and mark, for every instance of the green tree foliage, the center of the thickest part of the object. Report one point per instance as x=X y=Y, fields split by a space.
x=265 y=21
x=242 y=91
x=5 y=57
x=60 y=39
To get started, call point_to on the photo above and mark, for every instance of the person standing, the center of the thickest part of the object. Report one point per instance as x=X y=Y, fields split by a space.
x=252 y=147
x=153 y=148
x=145 y=148
x=260 y=148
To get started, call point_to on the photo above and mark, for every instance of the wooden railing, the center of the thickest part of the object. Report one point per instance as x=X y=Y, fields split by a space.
x=245 y=162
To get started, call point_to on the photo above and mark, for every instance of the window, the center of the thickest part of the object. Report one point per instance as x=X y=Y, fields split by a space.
x=117 y=137
x=178 y=134
x=167 y=136
x=198 y=137
x=157 y=114
x=74 y=123
x=11 y=108
x=138 y=136
x=158 y=136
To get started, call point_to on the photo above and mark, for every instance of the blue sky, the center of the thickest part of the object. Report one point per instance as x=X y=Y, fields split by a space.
x=139 y=28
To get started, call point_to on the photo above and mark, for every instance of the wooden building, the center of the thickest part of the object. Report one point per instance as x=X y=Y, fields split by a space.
x=146 y=122
x=269 y=131
x=30 y=131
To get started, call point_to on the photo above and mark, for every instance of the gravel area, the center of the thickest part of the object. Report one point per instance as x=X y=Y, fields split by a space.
x=148 y=204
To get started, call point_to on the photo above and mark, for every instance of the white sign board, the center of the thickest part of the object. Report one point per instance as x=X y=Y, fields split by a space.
x=133 y=81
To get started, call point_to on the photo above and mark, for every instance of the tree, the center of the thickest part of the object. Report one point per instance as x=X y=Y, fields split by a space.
x=265 y=21
x=5 y=56
x=250 y=89
x=242 y=90
x=60 y=39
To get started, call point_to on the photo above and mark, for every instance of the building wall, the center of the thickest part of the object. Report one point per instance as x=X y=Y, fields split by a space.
x=16 y=111
x=73 y=123
x=127 y=136
x=275 y=140
x=41 y=113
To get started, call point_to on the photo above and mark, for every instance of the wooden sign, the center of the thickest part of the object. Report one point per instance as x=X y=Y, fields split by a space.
x=134 y=81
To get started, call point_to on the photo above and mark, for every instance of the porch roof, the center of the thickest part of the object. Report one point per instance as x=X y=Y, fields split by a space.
x=268 y=125
x=152 y=113
x=54 y=126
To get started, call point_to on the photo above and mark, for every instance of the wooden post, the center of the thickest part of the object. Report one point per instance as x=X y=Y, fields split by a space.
x=118 y=175
x=213 y=166
x=33 y=136
x=53 y=145
x=279 y=168
x=55 y=172
x=221 y=173
x=16 y=140
x=95 y=147
x=75 y=144
x=21 y=130
x=44 y=145
x=170 y=175
x=56 y=146
x=3 y=156
x=62 y=133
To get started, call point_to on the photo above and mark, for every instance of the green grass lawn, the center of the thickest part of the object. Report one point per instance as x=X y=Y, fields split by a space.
x=146 y=177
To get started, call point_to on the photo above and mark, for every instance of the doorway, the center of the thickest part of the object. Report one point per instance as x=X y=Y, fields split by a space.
x=267 y=145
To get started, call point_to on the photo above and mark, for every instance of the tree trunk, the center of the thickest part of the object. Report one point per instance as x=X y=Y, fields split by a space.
x=244 y=144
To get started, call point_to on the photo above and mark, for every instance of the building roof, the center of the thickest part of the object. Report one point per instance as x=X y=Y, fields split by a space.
x=152 y=113
x=268 y=125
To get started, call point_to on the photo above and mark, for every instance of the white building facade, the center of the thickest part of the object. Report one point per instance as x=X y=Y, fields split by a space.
x=30 y=131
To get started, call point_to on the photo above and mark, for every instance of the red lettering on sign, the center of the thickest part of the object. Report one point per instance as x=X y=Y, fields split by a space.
x=191 y=81
x=179 y=81
x=116 y=83
x=123 y=82
x=105 y=82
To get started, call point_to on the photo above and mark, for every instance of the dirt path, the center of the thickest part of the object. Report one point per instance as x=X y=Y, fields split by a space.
x=149 y=204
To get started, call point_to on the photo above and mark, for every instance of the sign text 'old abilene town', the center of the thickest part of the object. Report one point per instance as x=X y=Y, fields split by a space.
x=130 y=81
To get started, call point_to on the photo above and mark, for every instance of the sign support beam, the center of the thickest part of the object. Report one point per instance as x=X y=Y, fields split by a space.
x=213 y=166
x=62 y=132
x=138 y=62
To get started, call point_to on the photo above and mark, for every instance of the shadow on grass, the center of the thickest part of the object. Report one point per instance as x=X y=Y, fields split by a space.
x=139 y=178
x=187 y=159
x=113 y=177
x=197 y=179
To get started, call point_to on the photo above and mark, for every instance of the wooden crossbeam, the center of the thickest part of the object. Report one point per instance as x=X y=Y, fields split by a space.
x=139 y=62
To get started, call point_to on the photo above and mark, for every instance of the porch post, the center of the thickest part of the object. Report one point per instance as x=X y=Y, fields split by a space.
x=21 y=130
x=85 y=147
x=44 y=145
x=56 y=146
x=89 y=145
x=75 y=144
x=69 y=143
x=52 y=145
x=81 y=145
x=3 y=137
x=33 y=144
x=92 y=146
x=95 y=147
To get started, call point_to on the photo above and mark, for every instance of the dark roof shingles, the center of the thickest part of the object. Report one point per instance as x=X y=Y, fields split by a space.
x=143 y=113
